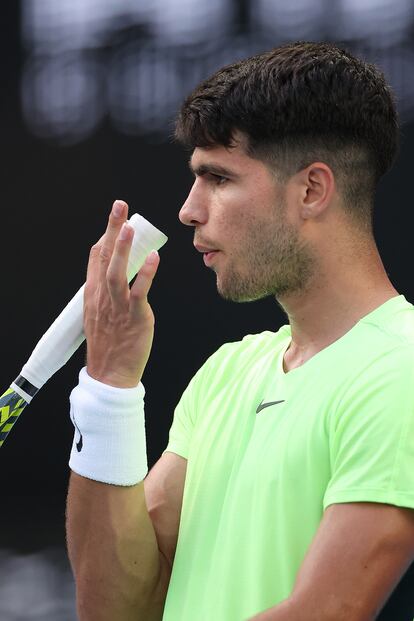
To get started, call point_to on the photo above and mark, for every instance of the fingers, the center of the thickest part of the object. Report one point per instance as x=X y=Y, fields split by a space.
x=139 y=291
x=101 y=252
x=108 y=262
x=117 y=218
x=116 y=275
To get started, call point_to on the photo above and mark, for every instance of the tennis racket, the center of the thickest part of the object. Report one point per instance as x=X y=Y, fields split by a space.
x=65 y=334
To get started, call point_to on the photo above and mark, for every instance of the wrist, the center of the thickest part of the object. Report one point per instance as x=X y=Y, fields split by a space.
x=113 y=379
x=109 y=443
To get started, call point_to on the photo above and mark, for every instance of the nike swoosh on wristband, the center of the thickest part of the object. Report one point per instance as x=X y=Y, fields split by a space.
x=262 y=405
x=79 y=443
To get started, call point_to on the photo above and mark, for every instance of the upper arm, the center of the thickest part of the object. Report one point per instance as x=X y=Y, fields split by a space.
x=164 y=488
x=359 y=553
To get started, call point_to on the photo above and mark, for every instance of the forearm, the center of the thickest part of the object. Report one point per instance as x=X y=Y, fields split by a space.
x=307 y=609
x=314 y=606
x=285 y=611
x=113 y=551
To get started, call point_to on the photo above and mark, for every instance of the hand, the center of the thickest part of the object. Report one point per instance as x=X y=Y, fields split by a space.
x=118 y=321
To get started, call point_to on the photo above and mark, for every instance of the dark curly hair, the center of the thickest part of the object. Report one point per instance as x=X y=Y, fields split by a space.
x=299 y=103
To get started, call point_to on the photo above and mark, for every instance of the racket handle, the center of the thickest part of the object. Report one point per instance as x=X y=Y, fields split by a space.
x=65 y=334
x=11 y=406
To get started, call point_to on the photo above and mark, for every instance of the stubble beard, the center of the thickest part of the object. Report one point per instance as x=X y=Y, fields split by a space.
x=273 y=262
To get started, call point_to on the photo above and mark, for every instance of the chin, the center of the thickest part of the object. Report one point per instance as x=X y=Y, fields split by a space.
x=239 y=296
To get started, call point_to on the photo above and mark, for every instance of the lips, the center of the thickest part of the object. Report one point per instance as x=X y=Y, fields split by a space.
x=209 y=257
x=204 y=248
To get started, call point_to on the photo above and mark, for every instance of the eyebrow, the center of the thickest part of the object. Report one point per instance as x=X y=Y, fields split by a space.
x=214 y=169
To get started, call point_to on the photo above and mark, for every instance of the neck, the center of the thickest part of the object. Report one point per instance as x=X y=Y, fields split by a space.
x=333 y=302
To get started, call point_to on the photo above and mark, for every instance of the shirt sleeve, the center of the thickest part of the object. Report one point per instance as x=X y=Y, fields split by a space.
x=372 y=436
x=186 y=412
x=183 y=422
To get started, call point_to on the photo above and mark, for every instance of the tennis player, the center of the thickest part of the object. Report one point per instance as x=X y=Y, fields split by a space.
x=286 y=491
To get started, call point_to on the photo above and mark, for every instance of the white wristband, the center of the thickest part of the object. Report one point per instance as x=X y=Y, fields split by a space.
x=109 y=443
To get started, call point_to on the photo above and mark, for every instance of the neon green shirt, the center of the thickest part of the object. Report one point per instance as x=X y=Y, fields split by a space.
x=257 y=484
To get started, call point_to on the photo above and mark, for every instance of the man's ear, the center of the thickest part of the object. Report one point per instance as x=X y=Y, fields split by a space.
x=316 y=189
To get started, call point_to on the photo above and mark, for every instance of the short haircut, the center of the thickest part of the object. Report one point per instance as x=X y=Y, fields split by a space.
x=297 y=104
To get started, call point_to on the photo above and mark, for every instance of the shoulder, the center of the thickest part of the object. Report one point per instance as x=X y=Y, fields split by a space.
x=379 y=384
x=251 y=345
x=231 y=357
x=382 y=344
x=391 y=324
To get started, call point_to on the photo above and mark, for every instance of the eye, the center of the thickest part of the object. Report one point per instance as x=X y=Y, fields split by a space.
x=218 y=179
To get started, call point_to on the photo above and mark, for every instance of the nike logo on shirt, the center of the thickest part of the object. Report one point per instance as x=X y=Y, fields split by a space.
x=262 y=405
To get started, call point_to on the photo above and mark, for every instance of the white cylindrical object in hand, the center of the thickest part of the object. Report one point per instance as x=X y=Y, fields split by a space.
x=65 y=334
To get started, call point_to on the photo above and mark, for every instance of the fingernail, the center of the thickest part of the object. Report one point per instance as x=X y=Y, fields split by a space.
x=152 y=257
x=117 y=209
x=125 y=231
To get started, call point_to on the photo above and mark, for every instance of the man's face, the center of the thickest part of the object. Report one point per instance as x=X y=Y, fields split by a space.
x=237 y=207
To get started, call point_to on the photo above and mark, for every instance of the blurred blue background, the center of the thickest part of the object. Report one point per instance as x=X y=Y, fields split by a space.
x=90 y=91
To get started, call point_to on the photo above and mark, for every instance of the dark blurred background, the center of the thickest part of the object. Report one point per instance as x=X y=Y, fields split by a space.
x=89 y=93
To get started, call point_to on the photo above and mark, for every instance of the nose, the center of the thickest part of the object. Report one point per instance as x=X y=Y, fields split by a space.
x=194 y=211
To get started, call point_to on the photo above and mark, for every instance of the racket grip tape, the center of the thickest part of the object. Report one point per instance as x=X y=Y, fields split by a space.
x=11 y=406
